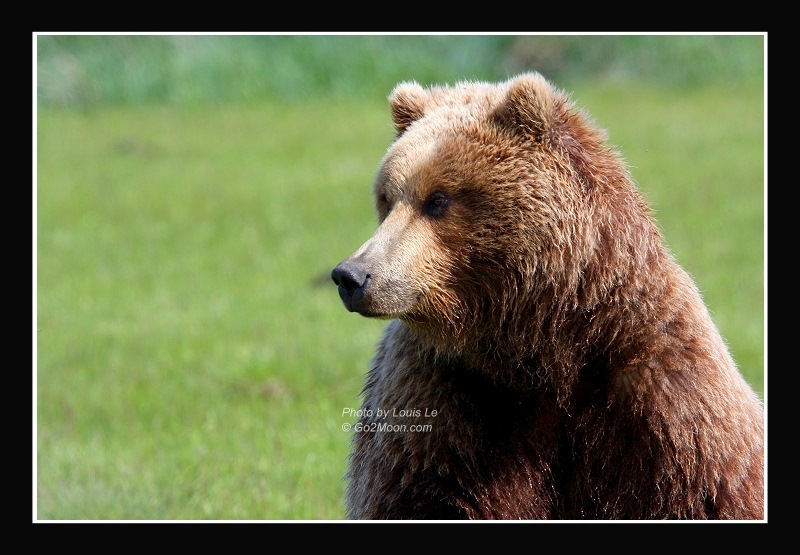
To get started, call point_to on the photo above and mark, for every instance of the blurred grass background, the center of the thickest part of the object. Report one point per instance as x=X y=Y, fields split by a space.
x=194 y=192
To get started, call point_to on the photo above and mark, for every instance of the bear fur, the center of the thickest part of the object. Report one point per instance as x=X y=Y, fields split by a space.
x=547 y=357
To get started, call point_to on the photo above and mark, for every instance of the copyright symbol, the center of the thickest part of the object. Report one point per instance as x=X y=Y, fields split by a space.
x=346 y=427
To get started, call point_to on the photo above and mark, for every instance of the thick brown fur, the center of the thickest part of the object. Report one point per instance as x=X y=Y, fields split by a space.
x=572 y=364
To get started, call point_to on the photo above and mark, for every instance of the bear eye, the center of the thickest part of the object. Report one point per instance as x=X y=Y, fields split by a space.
x=382 y=205
x=436 y=204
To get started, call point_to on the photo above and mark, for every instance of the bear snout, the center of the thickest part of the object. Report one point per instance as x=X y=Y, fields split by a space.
x=353 y=280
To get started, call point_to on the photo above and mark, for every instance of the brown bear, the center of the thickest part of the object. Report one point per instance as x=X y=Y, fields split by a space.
x=547 y=357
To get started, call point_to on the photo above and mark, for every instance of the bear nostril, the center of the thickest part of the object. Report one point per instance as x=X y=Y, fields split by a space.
x=349 y=276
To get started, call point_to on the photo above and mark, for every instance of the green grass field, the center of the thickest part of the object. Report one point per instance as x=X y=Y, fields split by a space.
x=193 y=357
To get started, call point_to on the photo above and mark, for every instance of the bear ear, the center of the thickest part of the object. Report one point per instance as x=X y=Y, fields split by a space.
x=538 y=111
x=408 y=102
x=529 y=107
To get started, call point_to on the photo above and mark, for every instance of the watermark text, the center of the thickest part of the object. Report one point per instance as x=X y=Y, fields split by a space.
x=389 y=420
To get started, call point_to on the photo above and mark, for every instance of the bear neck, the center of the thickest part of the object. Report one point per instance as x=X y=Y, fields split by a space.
x=561 y=339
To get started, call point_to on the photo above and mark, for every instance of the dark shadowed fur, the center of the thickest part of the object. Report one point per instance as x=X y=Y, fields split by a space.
x=574 y=368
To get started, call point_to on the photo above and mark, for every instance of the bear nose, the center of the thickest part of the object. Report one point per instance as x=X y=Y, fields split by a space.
x=349 y=275
x=352 y=279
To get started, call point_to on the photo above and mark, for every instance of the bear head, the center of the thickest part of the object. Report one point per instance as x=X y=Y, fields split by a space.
x=500 y=207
